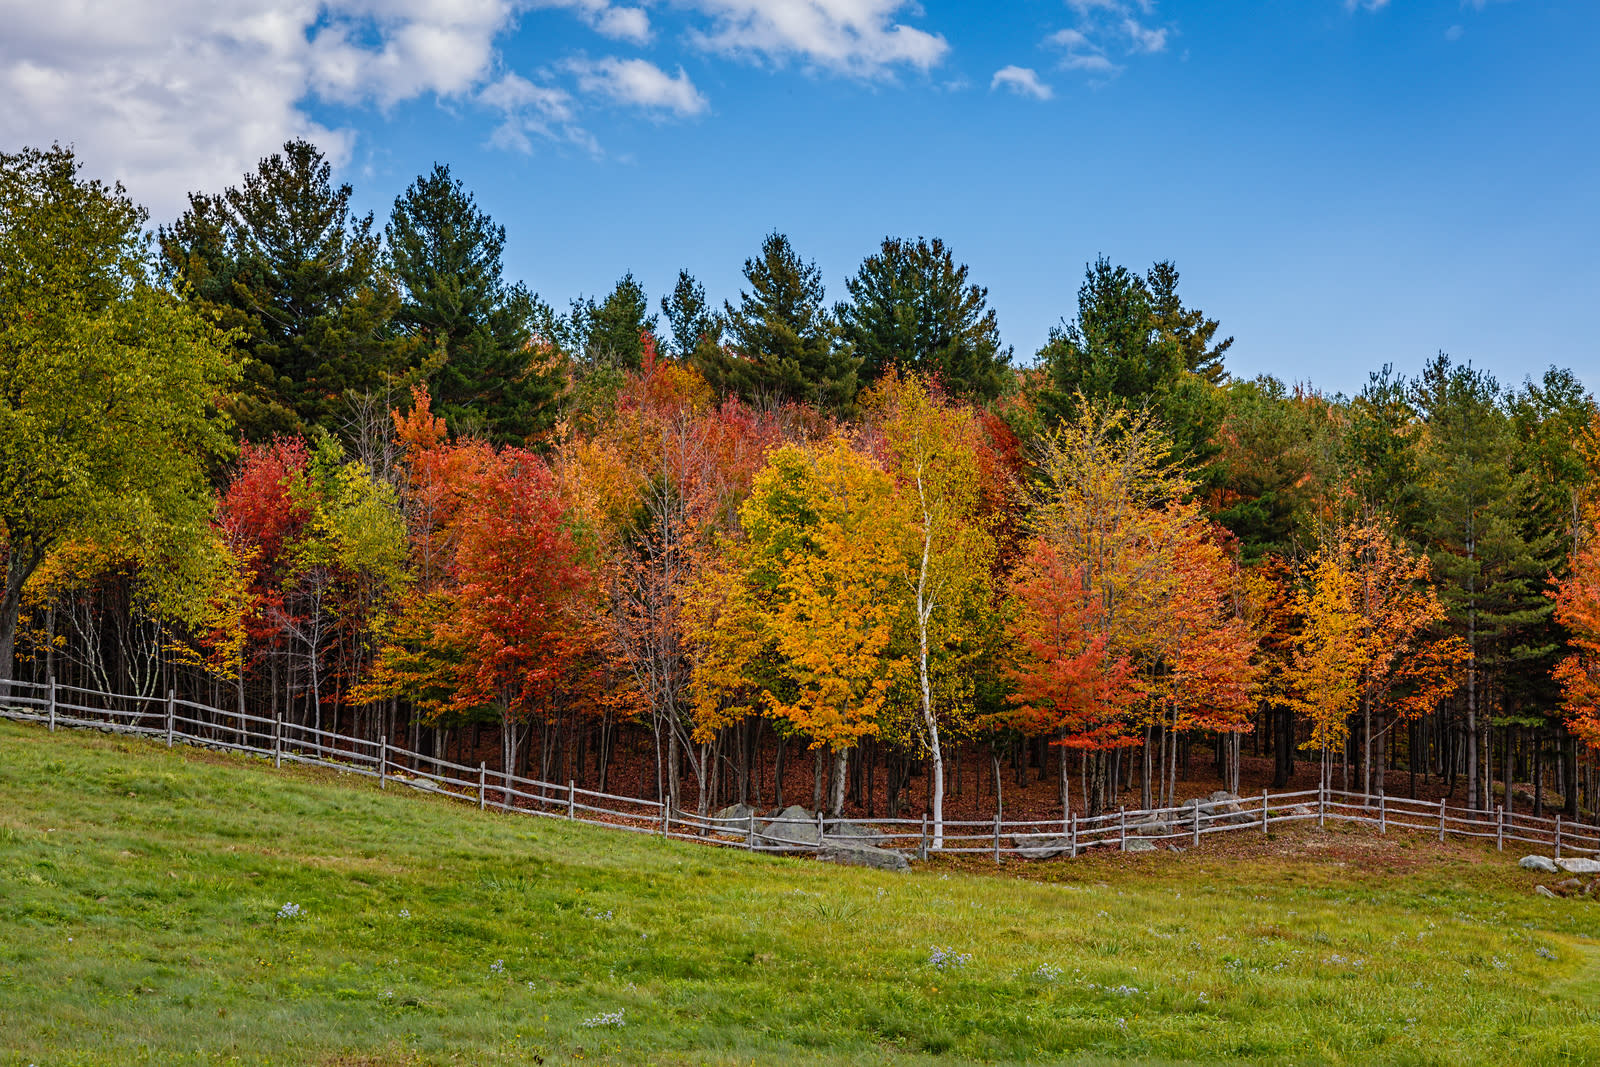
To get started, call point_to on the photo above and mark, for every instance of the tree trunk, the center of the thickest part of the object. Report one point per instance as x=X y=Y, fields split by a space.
x=841 y=767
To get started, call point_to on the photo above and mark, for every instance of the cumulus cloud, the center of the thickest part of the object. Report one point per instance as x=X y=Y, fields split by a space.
x=638 y=83
x=175 y=95
x=1023 y=81
x=855 y=37
x=631 y=24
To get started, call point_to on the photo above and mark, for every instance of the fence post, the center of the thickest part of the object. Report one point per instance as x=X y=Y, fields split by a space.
x=1499 y=828
x=821 y=830
x=383 y=761
x=1263 y=813
x=572 y=800
x=483 y=783
x=1074 y=852
x=1322 y=805
x=1196 y=824
x=172 y=714
x=277 y=741
x=53 y=710
x=1558 y=834
x=997 y=837
x=1383 y=814
x=1441 y=820
x=1122 y=826
x=750 y=831
x=922 y=848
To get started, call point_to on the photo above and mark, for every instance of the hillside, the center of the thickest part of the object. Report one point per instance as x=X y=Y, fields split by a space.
x=143 y=918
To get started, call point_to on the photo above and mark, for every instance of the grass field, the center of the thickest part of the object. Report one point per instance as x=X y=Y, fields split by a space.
x=141 y=892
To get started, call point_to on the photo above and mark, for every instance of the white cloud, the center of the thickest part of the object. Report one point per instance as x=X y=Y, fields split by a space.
x=1365 y=5
x=1023 y=81
x=856 y=37
x=1454 y=32
x=631 y=24
x=175 y=95
x=638 y=83
x=1105 y=27
x=1143 y=37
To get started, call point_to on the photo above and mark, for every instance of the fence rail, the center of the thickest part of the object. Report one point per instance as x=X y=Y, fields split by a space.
x=278 y=740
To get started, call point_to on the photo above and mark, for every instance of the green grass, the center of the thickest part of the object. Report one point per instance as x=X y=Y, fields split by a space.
x=139 y=891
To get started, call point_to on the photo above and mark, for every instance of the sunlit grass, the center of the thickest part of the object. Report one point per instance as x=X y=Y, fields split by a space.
x=143 y=919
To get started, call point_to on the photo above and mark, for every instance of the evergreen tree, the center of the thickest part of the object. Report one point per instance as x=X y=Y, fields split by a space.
x=911 y=306
x=785 y=342
x=611 y=331
x=690 y=319
x=283 y=258
x=1488 y=571
x=446 y=254
x=1275 y=462
x=1139 y=344
x=1381 y=450
x=1187 y=328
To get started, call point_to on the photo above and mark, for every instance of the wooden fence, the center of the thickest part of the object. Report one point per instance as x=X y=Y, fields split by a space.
x=174 y=720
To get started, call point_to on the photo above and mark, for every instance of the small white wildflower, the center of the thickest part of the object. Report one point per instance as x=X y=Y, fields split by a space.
x=606 y=1018
x=1047 y=972
x=289 y=911
x=497 y=967
x=405 y=913
x=947 y=959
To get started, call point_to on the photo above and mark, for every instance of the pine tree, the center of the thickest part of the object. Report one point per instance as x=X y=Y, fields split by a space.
x=690 y=319
x=786 y=343
x=283 y=257
x=611 y=331
x=911 y=306
x=445 y=254
x=1488 y=571
x=1136 y=343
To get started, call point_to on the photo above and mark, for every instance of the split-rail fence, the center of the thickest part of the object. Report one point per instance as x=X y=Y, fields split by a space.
x=182 y=721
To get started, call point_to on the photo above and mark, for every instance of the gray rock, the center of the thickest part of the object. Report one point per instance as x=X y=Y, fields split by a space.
x=1139 y=844
x=1544 y=892
x=855 y=832
x=1149 y=828
x=734 y=816
x=1538 y=863
x=855 y=854
x=1576 y=865
x=793 y=826
x=1042 y=846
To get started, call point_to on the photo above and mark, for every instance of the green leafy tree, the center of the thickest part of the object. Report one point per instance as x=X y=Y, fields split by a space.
x=283 y=258
x=446 y=256
x=911 y=306
x=786 y=344
x=107 y=381
x=1276 y=462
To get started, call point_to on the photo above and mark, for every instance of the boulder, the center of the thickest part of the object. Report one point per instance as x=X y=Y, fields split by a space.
x=1042 y=846
x=1538 y=863
x=793 y=826
x=856 y=854
x=1149 y=828
x=856 y=832
x=1139 y=844
x=1577 y=865
x=1568 y=886
x=1544 y=892
x=734 y=816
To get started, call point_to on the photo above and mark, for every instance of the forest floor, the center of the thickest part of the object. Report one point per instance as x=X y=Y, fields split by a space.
x=143 y=919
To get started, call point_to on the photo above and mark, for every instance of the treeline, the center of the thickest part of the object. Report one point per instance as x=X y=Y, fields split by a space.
x=279 y=459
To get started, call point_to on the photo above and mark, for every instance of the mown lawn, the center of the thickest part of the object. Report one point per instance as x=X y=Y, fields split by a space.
x=140 y=893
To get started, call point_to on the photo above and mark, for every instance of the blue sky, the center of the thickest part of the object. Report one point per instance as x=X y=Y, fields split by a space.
x=1343 y=185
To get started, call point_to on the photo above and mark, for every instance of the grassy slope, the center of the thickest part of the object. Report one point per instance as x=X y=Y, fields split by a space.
x=139 y=888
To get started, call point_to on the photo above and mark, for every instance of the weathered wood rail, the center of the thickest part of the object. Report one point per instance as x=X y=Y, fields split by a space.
x=180 y=721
